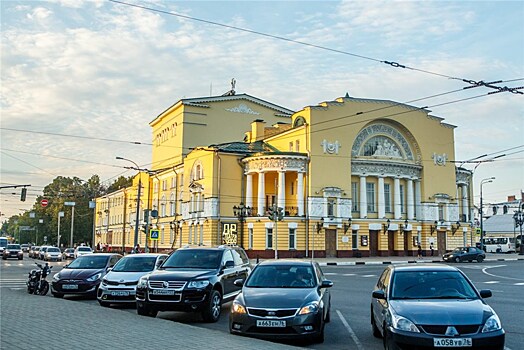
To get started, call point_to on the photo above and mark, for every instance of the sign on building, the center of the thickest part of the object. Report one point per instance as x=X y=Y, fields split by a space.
x=229 y=233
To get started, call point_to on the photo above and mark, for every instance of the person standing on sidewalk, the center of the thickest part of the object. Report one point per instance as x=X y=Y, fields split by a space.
x=419 y=252
x=432 y=248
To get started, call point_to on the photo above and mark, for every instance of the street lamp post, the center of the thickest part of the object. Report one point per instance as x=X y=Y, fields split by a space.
x=488 y=180
x=241 y=211
x=60 y=215
x=137 y=220
x=72 y=205
x=519 y=220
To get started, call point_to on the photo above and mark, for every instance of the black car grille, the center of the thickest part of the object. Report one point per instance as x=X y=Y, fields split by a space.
x=171 y=284
x=441 y=330
x=115 y=283
x=279 y=313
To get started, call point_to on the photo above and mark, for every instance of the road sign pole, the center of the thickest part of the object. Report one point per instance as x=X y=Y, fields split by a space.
x=72 y=223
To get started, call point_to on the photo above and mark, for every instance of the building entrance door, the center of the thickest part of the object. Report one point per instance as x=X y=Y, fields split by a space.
x=331 y=243
x=441 y=242
x=391 y=243
x=373 y=243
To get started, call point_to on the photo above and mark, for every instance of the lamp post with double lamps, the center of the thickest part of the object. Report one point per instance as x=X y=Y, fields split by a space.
x=241 y=211
x=137 y=220
x=519 y=220
x=488 y=180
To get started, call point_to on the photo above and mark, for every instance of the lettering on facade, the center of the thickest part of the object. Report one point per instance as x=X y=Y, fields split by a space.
x=229 y=233
x=439 y=159
x=330 y=147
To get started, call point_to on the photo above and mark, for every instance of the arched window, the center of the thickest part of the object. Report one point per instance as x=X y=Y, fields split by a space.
x=494 y=210
x=505 y=209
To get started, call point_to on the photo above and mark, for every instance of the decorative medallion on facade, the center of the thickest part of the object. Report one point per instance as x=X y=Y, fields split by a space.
x=330 y=147
x=242 y=108
x=439 y=159
x=381 y=140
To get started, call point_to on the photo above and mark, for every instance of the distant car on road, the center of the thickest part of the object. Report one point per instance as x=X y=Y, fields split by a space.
x=13 y=251
x=119 y=285
x=33 y=251
x=42 y=251
x=81 y=250
x=432 y=306
x=282 y=300
x=461 y=254
x=69 y=253
x=53 y=254
x=25 y=247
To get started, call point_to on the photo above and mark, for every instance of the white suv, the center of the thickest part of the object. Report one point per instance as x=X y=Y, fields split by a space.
x=82 y=250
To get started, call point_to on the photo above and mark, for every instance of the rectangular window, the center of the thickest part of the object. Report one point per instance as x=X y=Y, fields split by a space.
x=370 y=192
x=354 y=194
x=250 y=238
x=402 y=201
x=331 y=207
x=181 y=179
x=269 y=238
x=387 y=197
x=291 y=147
x=292 y=238
x=173 y=182
x=297 y=146
x=441 y=212
x=354 y=239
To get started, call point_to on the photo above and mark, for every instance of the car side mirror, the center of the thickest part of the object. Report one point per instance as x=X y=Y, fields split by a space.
x=326 y=284
x=379 y=294
x=239 y=282
x=109 y=269
x=229 y=264
x=486 y=293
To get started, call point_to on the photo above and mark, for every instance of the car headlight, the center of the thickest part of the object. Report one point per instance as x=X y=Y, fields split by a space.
x=198 y=284
x=142 y=282
x=309 y=308
x=403 y=324
x=56 y=277
x=94 y=277
x=238 y=308
x=492 y=324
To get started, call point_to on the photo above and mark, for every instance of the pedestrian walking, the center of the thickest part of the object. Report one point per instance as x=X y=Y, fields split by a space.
x=432 y=248
x=419 y=252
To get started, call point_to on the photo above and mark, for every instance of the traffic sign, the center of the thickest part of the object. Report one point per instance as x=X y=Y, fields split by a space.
x=45 y=238
x=153 y=234
x=44 y=202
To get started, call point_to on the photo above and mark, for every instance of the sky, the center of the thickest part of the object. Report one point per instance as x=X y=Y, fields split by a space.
x=81 y=80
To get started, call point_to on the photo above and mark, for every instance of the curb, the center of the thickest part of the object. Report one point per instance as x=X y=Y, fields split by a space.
x=352 y=263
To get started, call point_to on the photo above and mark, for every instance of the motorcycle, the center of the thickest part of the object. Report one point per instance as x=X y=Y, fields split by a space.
x=36 y=282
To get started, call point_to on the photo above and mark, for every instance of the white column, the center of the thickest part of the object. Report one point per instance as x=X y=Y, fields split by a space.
x=410 y=200
x=381 y=198
x=261 y=195
x=363 y=198
x=396 y=194
x=281 y=202
x=249 y=190
x=418 y=200
x=300 y=193
x=465 y=201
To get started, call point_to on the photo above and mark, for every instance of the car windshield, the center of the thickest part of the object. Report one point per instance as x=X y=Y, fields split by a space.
x=84 y=249
x=281 y=276
x=91 y=261
x=55 y=250
x=431 y=285
x=459 y=250
x=194 y=259
x=69 y=250
x=13 y=246
x=135 y=264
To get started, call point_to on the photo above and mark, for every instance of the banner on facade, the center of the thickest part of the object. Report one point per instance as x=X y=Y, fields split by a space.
x=229 y=233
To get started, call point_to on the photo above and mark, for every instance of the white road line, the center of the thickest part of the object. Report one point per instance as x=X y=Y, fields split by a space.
x=350 y=330
x=369 y=275
x=493 y=275
x=330 y=273
x=491 y=282
x=506 y=348
x=348 y=274
x=519 y=284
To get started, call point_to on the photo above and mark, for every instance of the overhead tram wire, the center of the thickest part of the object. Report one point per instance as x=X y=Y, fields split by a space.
x=472 y=83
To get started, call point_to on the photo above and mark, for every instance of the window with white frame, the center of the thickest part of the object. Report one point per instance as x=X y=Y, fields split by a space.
x=292 y=238
x=370 y=193
x=155 y=186
x=163 y=207
x=164 y=185
x=354 y=194
x=250 y=238
x=172 y=205
x=331 y=207
x=354 y=239
x=269 y=238
x=173 y=182
x=297 y=145
x=402 y=201
x=387 y=197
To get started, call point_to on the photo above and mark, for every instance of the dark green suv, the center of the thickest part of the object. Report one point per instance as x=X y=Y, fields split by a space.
x=197 y=279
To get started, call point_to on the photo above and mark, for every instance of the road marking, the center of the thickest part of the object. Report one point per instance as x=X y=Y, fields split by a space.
x=350 y=330
x=369 y=275
x=491 y=282
x=349 y=274
x=490 y=274
x=519 y=284
x=330 y=273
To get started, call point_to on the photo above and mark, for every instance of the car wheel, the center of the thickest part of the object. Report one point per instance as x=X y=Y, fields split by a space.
x=57 y=295
x=374 y=328
x=388 y=342
x=457 y=259
x=143 y=310
x=44 y=288
x=211 y=312
x=480 y=259
x=21 y=258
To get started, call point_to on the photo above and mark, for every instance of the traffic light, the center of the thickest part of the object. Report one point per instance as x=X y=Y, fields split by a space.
x=23 y=194
x=271 y=213
x=280 y=214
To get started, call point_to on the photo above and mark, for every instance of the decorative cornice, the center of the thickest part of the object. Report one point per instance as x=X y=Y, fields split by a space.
x=242 y=108
x=275 y=163
x=381 y=168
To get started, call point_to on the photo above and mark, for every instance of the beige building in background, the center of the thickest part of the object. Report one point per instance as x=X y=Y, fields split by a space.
x=349 y=177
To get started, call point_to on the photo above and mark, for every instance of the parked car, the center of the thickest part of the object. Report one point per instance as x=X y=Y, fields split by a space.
x=81 y=250
x=69 y=253
x=13 y=251
x=282 y=299
x=432 y=306
x=460 y=254
x=83 y=275
x=119 y=285
x=33 y=251
x=53 y=254
x=197 y=279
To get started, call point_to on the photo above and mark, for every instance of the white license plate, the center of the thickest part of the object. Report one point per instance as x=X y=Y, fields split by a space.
x=162 y=292
x=70 y=286
x=122 y=293
x=452 y=342
x=270 y=323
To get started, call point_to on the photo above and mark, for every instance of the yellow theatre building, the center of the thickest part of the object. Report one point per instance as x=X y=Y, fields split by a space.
x=343 y=178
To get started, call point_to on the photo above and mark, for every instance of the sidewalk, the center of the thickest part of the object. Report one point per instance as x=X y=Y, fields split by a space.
x=387 y=260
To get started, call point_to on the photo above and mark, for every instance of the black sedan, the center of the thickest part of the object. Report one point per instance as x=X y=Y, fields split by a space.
x=83 y=275
x=433 y=306
x=282 y=300
x=460 y=254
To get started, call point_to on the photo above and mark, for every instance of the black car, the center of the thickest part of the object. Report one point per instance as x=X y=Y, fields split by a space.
x=69 y=253
x=197 y=279
x=83 y=275
x=13 y=251
x=432 y=306
x=282 y=300
x=460 y=254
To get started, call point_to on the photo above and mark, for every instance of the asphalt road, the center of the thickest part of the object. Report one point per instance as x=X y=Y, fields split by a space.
x=349 y=327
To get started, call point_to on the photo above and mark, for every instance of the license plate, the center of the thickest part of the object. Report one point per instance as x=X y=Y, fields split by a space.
x=162 y=292
x=452 y=342
x=270 y=323
x=120 y=293
x=70 y=286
